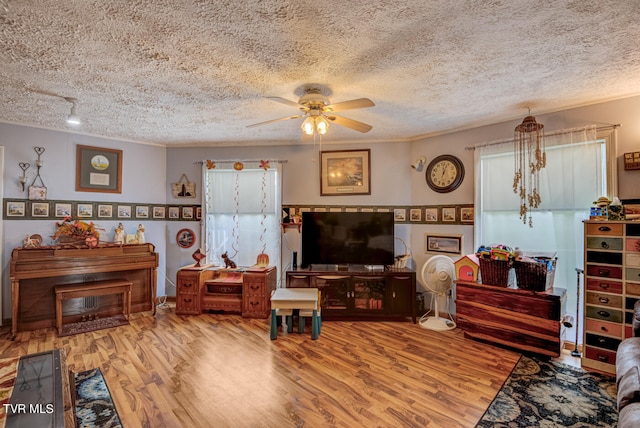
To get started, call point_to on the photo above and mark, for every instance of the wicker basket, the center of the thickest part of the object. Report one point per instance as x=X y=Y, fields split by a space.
x=401 y=261
x=496 y=272
x=535 y=276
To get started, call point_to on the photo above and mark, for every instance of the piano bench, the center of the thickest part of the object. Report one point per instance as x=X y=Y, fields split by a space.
x=97 y=288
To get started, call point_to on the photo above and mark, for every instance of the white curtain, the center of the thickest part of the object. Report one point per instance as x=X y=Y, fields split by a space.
x=574 y=177
x=242 y=213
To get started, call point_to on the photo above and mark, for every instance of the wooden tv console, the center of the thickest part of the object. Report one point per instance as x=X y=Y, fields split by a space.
x=356 y=292
x=244 y=291
x=35 y=273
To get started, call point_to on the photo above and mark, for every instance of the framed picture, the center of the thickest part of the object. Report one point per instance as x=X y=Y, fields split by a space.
x=187 y=212
x=63 y=210
x=174 y=212
x=431 y=215
x=158 y=212
x=105 y=211
x=400 y=214
x=124 y=211
x=185 y=238
x=449 y=214
x=415 y=214
x=199 y=213
x=98 y=169
x=466 y=214
x=345 y=172
x=40 y=209
x=142 y=211
x=85 y=210
x=15 y=209
x=447 y=244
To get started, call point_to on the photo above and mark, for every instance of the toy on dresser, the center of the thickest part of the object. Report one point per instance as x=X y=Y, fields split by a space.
x=228 y=263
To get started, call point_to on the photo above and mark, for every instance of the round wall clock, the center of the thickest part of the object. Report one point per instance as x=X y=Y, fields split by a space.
x=185 y=238
x=445 y=173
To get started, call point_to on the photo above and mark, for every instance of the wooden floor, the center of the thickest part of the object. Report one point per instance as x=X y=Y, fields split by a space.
x=224 y=371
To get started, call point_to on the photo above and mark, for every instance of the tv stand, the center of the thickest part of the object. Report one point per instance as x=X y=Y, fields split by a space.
x=359 y=292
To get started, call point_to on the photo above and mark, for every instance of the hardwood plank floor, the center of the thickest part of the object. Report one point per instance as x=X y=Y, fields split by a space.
x=218 y=370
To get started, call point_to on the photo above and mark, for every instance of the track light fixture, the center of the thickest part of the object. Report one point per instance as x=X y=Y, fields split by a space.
x=419 y=163
x=73 y=118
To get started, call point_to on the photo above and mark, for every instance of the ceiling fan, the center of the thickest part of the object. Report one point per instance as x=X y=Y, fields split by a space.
x=315 y=106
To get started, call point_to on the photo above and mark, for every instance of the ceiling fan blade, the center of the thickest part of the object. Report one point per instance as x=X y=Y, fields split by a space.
x=285 y=101
x=351 y=104
x=350 y=123
x=275 y=120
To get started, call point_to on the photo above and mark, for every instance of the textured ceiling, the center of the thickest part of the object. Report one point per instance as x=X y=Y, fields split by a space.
x=196 y=72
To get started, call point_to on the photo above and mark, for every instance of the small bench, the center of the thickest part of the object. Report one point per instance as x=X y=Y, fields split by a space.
x=97 y=288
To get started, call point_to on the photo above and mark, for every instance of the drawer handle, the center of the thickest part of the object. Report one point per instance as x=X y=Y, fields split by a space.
x=255 y=287
x=603 y=299
x=601 y=341
x=188 y=300
x=604 y=272
x=604 y=229
x=254 y=303
x=604 y=286
x=604 y=314
x=605 y=329
x=604 y=245
x=187 y=285
x=603 y=358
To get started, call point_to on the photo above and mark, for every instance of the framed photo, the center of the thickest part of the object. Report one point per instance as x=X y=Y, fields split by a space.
x=158 y=212
x=15 y=209
x=98 y=169
x=174 y=212
x=199 y=213
x=415 y=214
x=63 y=210
x=187 y=212
x=124 y=211
x=142 y=211
x=449 y=214
x=85 y=210
x=105 y=211
x=400 y=214
x=466 y=214
x=345 y=172
x=40 y=209
x=447 y=244
x=431 y=215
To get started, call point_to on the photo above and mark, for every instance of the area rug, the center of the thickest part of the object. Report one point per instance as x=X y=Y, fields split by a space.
x=8 y=369
x=94 y=406
x=92 y=325
x=542 y=393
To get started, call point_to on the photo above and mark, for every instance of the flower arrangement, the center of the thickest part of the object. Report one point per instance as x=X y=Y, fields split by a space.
x=76 y=230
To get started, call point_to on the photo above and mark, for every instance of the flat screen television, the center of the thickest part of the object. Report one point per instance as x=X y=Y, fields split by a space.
x=347 y=238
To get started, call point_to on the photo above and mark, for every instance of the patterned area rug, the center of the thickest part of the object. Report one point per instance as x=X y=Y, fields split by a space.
x=92 y=325
x=8 y=369
x=547 y=394
x=94 y=406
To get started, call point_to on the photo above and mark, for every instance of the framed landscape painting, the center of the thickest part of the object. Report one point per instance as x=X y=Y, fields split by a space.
x=345 y=172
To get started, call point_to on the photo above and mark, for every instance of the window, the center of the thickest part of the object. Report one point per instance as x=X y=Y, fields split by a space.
x=242 y=214
x=576 y=174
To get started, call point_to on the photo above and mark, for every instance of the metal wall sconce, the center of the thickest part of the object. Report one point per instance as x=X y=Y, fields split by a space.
x=24 y=166
x=418 y=164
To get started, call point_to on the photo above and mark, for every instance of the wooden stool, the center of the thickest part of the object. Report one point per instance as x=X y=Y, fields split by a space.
x=97 y=288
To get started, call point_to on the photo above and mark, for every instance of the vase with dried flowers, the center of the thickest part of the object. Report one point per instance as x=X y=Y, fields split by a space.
x=71 y=231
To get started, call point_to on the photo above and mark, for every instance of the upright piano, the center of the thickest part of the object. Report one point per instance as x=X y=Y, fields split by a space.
x=35 y=272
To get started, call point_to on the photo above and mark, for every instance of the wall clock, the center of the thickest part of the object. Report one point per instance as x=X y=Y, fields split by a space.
x=445 y=173
x=185 y=238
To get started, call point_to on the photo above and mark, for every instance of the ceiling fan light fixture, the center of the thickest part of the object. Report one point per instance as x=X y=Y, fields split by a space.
x=308 y=126
x=322 y=125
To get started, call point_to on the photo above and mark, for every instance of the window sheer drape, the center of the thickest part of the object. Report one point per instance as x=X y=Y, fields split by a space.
x=574 y=177
x=242 y=213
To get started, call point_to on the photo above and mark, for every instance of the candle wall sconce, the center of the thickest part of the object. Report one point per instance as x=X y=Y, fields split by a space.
x=24 y=166
x=38 y=192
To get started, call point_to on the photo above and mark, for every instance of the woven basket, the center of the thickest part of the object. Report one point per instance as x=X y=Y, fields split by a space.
x=535 y=276
x=496 y=272
x=401 y=261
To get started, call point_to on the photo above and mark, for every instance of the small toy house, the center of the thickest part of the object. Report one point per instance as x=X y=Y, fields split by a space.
x=467 y=268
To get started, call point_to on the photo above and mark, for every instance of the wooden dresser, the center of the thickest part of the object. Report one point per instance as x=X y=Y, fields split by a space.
x=35 y=272
x=612 y=286
x=520 y=319
x=244 y=291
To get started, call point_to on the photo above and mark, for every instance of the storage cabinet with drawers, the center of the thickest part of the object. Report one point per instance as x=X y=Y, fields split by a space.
x=612 y=286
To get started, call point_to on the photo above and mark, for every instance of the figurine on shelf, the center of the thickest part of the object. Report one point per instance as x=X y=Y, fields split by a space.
x=198 y=256
x=140 y=234
x=228 y=263
x=119 y=234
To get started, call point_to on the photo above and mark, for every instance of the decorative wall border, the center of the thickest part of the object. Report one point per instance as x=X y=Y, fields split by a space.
x=24 y=209
x=460 y=214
